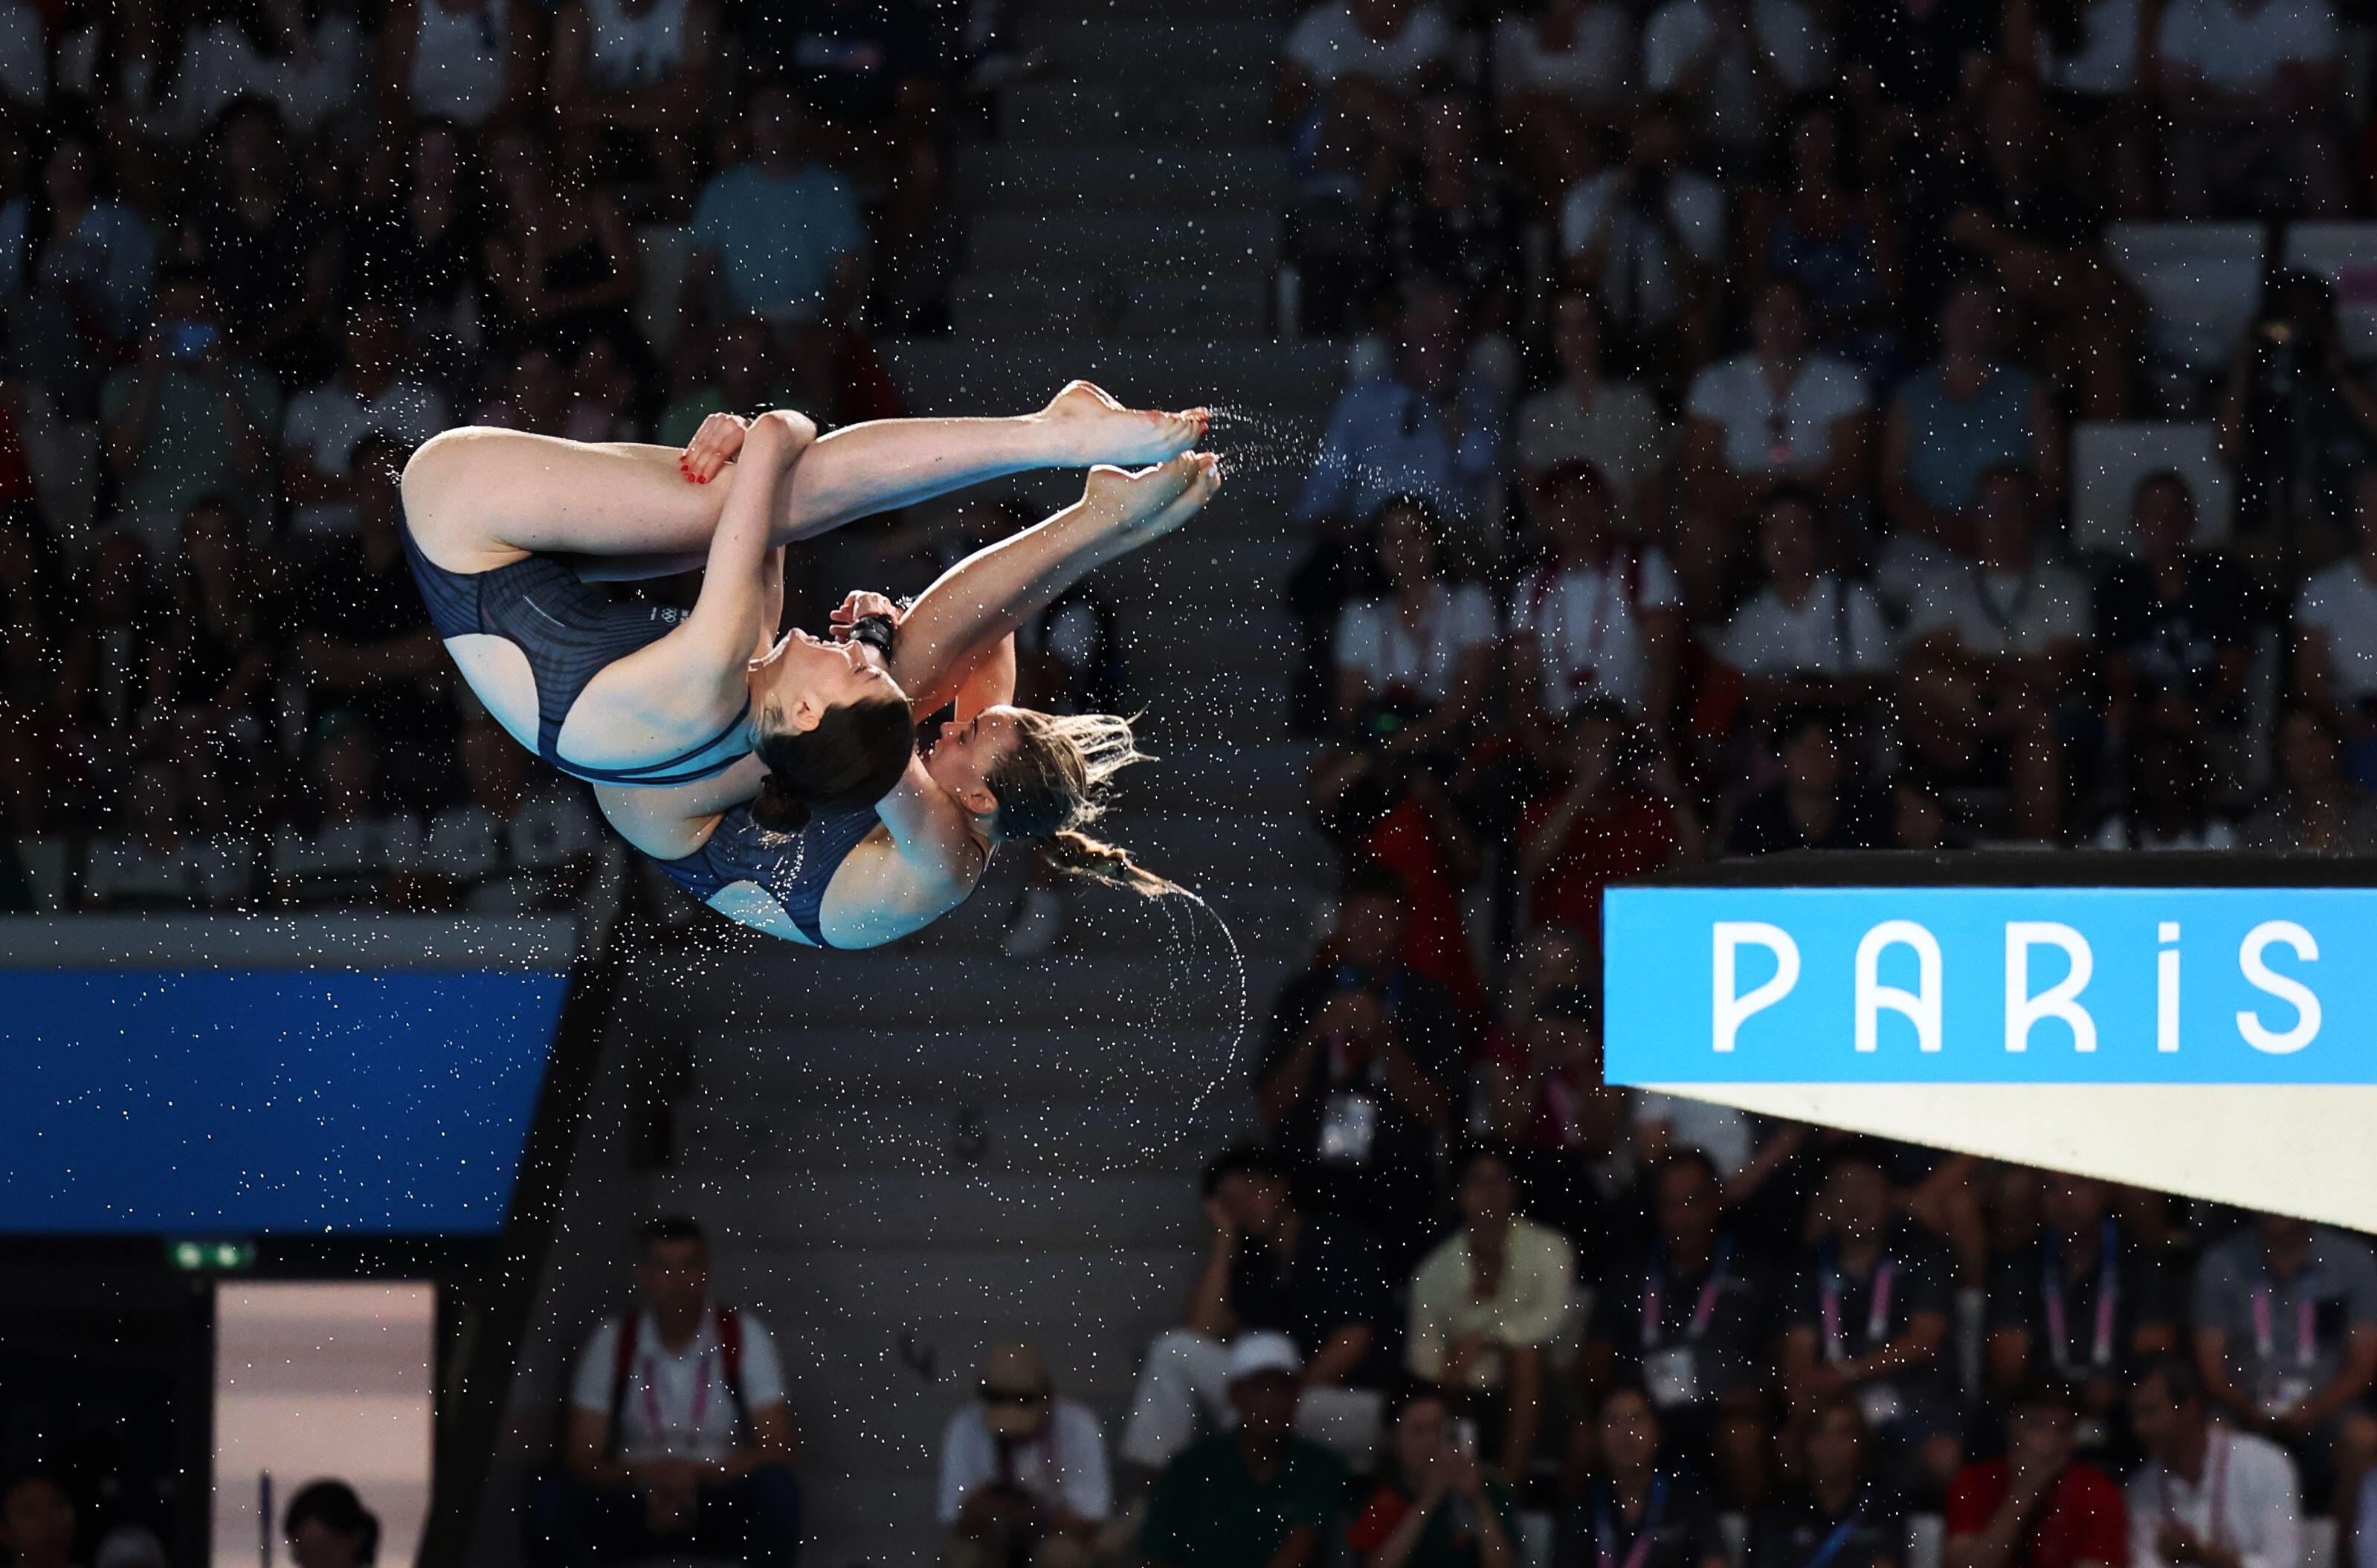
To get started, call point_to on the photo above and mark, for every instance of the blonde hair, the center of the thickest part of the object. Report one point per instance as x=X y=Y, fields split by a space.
x=1055 y=781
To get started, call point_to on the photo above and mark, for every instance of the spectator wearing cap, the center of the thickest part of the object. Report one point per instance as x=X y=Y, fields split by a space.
x=1628 y=1506
x=1438 y=1507
x=1272 y=1271
x=1687 y=1315
x=1024 y=1472
x=1487 y=1304
x=37 y=1519
x=678 y=1432
x=2040 y=1506
x=2207 y=1492
x=1256 y=1494
x=1838 y=1511
x=2286 y=1340
x=1590 y=416
x=328 y=1526
x=1777 y=414
x=2085 y=1302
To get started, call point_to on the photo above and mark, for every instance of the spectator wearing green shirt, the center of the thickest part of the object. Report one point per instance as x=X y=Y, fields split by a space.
x=1439 y=1509
x=1255 y=1497
x=779 y=234
x=184 y=422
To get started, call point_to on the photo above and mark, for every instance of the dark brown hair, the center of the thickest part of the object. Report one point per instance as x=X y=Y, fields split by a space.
x=1054 y=784
x=848 y=763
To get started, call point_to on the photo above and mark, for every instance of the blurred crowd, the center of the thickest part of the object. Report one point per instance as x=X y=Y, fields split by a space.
x=252 y=252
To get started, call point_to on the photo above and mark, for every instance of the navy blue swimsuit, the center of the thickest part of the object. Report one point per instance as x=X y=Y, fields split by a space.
x=570 y=632
x=791 y=868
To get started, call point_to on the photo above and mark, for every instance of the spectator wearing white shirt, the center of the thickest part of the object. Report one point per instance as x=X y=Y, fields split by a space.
x=1992 y=658
x=678 y=1435
x=1598 y=616
x=2207 y=1494
x=1776 y=415
x=1560 y=74
x=1351 y=74
x=1024 y=1472
x=1589 y=416
x=1736 y=61
x=2335 y=638
x=2253 y=90
x=325 y=424
x=1808 y=635
x=1415 y=656
x=1648 y=235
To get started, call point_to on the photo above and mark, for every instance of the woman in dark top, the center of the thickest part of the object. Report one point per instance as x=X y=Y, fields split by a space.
x=1629 y=1511
x=1834 y=238
x=559 y=259
x=416 y=245
x=1435 y=1510
x=1839 y=1516
x=1817 y=805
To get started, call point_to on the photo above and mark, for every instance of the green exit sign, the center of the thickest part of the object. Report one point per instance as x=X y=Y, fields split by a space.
x=202 y=1257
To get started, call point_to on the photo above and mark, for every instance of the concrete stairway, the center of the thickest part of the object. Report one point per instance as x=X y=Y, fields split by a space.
x=909 y=1153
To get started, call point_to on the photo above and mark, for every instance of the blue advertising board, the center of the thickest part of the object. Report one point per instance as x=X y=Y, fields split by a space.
x=1990 y=984
x=256 y=1101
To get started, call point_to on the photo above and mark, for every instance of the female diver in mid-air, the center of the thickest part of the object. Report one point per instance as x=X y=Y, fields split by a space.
x=505 y=530
x=747 y=846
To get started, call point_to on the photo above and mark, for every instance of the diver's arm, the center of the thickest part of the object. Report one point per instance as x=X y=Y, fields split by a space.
x=934 y=835
x=991 y=682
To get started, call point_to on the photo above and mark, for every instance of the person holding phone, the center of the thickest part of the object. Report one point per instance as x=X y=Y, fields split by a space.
x=1437 y=1508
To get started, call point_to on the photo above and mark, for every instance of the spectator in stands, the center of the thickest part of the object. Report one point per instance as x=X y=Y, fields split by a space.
x=76 y=266
x=1839 y=1512
x=1954 y=421
x=2207 y=1491
x=2335 y=638
x=1546 y=1100
x=1597 y=616
x=474 y=62
x=2092 y=59
x=2039 y=1506
x=2285 y=1339
x=1816 y=804
x=1588 y=417
x=1620 y=812
x=1486 y=1307
x=1414 y=654
x=325 y=423
x=1357 y=1082
x=156 y=861
x=1024 y=1472
x=1437 y=1508
x=1869 y=1314
x=1737 y=61
x=214 y=714
x=1351 y=74
x=560 y=259
x=1908 y=65
x=2315 y=810
x=678 y=1430
x=2019 y=211
x=1808 y=637
x=518 y=840
x=307 y=62
x=1686 y=1314
x=2175 y=625
x=2253 y=90
x=1451 y=218
x=1627 y=1506
x=1824 y=229
x=779 y=235
x=1273 y=1271
x=342 y=846
x=1646 y=235
x=532 y=394
x=187 y=419
x=364 y=640
x=2296 y=425
x=327 y=1526
x=1992 y=658
x=418 y=240
x=1258 y=1494
x=37 y=1519
x=271 y=251
x=2167 y=789
x=1777 y=415
x=2086 y=1302
x=1562 y=75
x=1429 y=427
x=632 y=86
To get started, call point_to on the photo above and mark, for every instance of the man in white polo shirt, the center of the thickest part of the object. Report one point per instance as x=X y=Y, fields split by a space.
x=2208 y=1493
x=678 y=1435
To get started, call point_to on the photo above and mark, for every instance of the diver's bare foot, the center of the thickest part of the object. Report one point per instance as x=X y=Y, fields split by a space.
x=1092 y=427
x=1153 y=501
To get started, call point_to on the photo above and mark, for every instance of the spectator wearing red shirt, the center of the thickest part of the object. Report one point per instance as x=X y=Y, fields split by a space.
x=1618 y=815
x=2037 y=1507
